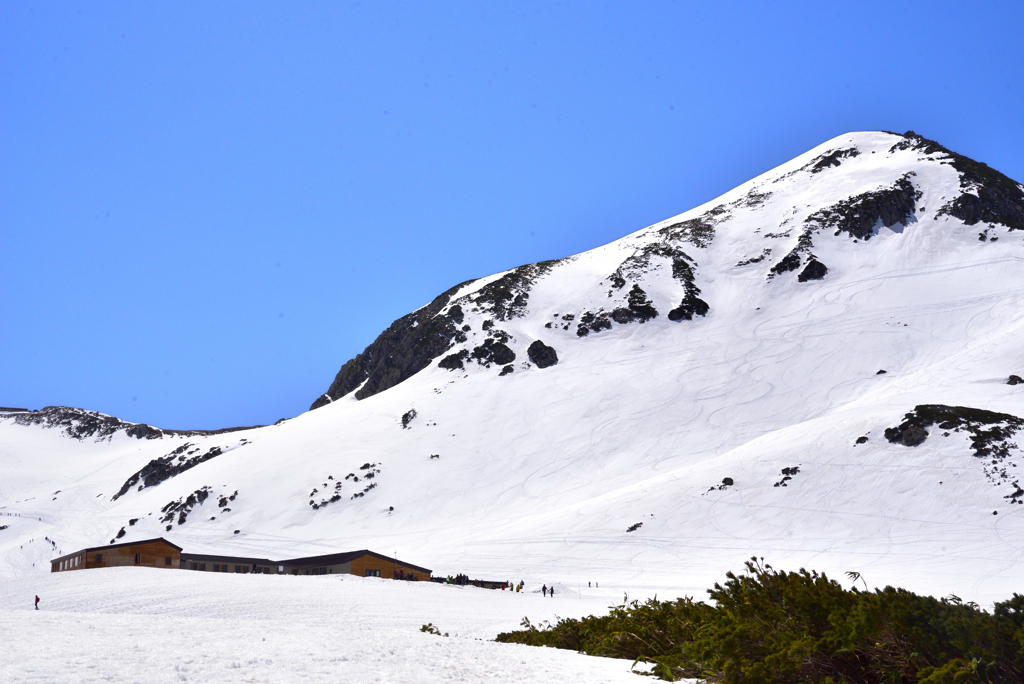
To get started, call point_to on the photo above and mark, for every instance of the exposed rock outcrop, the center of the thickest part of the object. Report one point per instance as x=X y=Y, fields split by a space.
x=987 y=196
x=404 y=349
x=541 y=354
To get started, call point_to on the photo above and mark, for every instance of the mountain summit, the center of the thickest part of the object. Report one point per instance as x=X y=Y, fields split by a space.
x=816 y=367
x=840 y=194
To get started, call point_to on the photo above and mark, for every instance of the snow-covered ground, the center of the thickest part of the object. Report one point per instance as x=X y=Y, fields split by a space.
x=153 y=626
x=541 y=473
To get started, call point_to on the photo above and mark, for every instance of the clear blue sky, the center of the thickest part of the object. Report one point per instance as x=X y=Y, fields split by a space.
x=206 y=208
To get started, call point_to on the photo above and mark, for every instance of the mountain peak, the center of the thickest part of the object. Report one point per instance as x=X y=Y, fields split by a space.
x=839 y=194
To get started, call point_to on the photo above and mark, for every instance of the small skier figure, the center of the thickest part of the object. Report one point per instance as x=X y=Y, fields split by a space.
x=545 y=590
x=551 y=592
x=37 y=603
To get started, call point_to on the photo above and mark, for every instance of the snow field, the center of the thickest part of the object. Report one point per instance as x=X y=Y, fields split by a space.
x=145 y=625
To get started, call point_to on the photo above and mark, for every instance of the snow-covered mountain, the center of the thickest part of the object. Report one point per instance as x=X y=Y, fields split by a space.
x=812 y=368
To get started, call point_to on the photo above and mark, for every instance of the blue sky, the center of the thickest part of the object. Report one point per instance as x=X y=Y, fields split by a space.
x=207 y=208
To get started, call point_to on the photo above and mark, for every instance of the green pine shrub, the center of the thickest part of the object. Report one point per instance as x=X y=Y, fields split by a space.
x=772 y=627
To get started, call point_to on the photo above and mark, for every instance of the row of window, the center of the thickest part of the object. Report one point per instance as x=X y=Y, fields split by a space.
x=224 y=567
x=70 y=563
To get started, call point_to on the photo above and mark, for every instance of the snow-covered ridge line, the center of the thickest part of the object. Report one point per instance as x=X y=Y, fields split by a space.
x=77 y=423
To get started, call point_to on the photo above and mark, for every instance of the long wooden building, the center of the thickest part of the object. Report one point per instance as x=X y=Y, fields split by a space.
x=149 y=553
x=160 y=553
x=364 y=563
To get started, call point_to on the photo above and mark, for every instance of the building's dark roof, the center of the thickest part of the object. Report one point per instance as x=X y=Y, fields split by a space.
x=347 y=557
x=115 y=546
x=206 y=558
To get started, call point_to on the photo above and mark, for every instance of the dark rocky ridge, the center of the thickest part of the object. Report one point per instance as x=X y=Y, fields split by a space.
x=506 y=297
x=858 y=215
x=80 y=423
x=404 y=349
x=166 y=467
x=987 y=196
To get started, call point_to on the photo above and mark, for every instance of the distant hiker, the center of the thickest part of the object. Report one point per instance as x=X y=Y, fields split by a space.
x=552 y=592
x=37 y=603
x=588 y=585
x=544 y=589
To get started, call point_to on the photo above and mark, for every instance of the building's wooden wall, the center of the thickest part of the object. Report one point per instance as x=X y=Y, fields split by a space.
x=151 y=555
x=386 y=567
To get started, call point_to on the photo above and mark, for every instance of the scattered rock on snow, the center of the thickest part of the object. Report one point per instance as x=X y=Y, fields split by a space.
x=541 y=354
x=815 y=270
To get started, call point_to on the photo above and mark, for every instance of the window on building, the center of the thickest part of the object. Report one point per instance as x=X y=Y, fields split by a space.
x=167 y=560
x=202 y=566
x=195 y=566
x=99 y=557
x=238 y=568
x=216 y=567
x=373 y=573
x=138 y=558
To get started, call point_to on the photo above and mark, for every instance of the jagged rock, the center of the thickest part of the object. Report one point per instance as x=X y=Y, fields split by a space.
x=790 y=262
x=642 y=307
x=404 y=349
x=688 y=308
x=622 y=315
x=492 y=351
x=454 y=361
x=407 y=418
x=166 y=467
x=858 y=216
x=832 y=159
x=909 y=435
x=541 y=354
x=506 y=370
x=814 y=270
x=1014 y=380
x=506 y=297
x=985 y=442
x=986 y=195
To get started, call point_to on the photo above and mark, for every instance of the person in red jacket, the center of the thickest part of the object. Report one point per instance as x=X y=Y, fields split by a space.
x=37 y=602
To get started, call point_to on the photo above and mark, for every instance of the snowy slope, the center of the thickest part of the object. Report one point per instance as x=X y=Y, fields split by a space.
x=709 y=346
